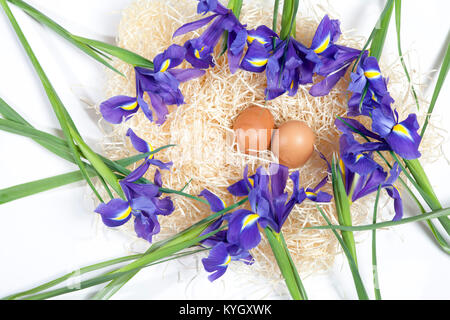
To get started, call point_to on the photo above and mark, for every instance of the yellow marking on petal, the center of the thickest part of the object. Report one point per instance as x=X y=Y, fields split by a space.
x=129 y=107
x=292 y=84
x=359 y=156
x=342 y=166
x=165 y=65
x=223 y=203
x=124 y=214
x=311 y=194
x=249 y=219
x=151 y=150
x=227 y=261
x=398 y=128
x=197 y=52
x=323 y=46
x=372 y=74
x=252 y=182
x=374 y=97
x=250 y=39
x=258 y=62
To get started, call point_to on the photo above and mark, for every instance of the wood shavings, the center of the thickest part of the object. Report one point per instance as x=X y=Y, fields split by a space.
x=201 y=129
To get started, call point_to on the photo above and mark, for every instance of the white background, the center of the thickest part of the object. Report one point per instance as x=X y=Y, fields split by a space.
x=52 y=233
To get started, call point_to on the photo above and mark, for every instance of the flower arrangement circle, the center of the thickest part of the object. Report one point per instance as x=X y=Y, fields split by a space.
x=372 y=145
x=287 y=64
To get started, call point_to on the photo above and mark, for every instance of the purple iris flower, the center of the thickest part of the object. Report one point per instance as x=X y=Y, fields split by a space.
x=368 y=73
x=121 y=108
x=205 y=6
x=270 y=204
x=357 y=157
x=220 y=257
x=161 y=85
x=199 y=50
x=291 y=64
x=402 y=136
x=358 y=186
x=142 y=200
x=313 y=194
x=260 y=48
x=222 y=252
x=390 y=134
x=334 y=59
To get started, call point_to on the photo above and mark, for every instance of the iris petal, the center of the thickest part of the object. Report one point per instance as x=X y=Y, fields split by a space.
x=114 y=213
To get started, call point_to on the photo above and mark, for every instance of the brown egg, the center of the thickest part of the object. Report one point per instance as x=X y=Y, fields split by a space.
x=293 y=143
x=253 y=128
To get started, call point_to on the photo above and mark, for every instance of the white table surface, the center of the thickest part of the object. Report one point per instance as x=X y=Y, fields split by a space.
x=52 y=233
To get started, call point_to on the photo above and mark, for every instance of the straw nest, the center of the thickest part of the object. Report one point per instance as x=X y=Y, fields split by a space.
x=205 y=153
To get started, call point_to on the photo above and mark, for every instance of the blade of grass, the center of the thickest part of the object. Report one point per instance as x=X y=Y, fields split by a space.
x=398 y=15
x=290 y=8
x=422 y=217
x=285 y=264
x=72 y=274
x=437 y=89
x=51 y=93
x=359 y=285
x=342 y=207
x=91 y=47
x=376 y=282
x=96 y=280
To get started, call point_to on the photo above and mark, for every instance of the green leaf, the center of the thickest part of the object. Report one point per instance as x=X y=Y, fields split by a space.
x=121 y=53
x=72 y=274
x=416 y=169
x=30 y=188
x=59 y=110
x=422 y=217
x=359 y=285
x=286 y=265
x=342 y=202
x=45 y=20
x=437 y=89
x=288 y=17
x=379 y=37
x=96 y=280
x=376 y=282
x=398 y=14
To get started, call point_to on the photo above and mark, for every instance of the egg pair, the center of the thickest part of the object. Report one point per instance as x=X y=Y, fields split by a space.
x=292 y=142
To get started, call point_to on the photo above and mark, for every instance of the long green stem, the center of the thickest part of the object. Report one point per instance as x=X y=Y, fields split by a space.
x=359 y=285
x=286 y=265
x=398 y=11
x=95 y=49
x=343 y=208
x=376 y=281
x=426 y=216
x=421 y=178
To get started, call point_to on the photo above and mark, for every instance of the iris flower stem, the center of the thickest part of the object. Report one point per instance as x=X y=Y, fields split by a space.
x=426 y=216
x=416 y=169
x=290 y=8
x=359 y=285
x=343 y=208
x=57 y=105
x=286 y=264
x=376 y=282
x=95 y=49
x=37 y=294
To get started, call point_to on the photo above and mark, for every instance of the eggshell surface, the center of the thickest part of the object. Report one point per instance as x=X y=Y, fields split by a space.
x=293 y=143
x=253 y=128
